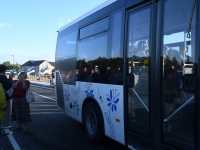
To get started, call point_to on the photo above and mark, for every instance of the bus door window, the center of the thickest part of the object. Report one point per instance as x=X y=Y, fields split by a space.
x=178 y=54
x=138 y=65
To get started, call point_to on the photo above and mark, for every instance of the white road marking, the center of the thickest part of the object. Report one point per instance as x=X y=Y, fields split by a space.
x=45 y=96
x=12 y=140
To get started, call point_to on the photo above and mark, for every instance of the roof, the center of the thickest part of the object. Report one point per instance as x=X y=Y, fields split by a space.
x=52 y=63
x=33 y=63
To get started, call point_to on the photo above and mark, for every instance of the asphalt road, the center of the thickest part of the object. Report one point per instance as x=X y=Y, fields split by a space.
x=51 y=129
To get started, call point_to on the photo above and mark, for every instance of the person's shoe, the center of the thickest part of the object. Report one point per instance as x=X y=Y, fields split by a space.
x=8 y=127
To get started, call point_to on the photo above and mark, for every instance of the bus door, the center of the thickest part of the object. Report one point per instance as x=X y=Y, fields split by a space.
x=179 y=72
x=138 y=60
x=175 y=59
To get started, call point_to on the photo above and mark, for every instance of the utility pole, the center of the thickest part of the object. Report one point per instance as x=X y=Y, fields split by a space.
x=13 y=58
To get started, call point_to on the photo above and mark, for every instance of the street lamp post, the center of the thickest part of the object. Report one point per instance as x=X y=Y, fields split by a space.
x=13 y=58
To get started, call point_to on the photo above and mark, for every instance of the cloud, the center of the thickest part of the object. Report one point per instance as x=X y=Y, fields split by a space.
x=60 y=22
x=5 y=25
x=69 y=20
x=63 y=21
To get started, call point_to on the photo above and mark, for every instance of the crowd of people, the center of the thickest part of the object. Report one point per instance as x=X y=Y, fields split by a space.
x=16 y=101
x=96 y=75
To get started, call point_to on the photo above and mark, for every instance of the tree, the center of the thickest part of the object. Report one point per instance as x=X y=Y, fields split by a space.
x=12 y=66
x=7 y=63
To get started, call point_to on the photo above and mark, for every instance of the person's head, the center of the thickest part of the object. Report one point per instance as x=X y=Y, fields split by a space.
x=92 y=70
x=142 y=45
x=3 y=68
x=77 y=71
x=96 y=68
x=146 y=62
x=110 y=71
x=85 y=69
x=22 y=75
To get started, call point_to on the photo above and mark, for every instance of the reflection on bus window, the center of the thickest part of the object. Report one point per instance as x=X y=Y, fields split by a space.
x=138 y=58
x=178 y=59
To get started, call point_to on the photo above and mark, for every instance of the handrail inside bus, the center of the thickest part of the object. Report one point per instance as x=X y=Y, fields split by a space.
x=141 y=100
x=178 y=109
x=191 y=17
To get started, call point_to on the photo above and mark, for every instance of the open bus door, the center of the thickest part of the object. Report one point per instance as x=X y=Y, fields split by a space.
x=162 y=105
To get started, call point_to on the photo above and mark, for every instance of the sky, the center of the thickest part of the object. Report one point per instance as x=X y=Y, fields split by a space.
x=28 y=28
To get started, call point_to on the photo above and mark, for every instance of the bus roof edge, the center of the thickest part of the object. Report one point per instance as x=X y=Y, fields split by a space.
x=106 y=3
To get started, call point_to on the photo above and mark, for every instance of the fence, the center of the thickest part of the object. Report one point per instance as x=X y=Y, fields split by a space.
x=44 y=78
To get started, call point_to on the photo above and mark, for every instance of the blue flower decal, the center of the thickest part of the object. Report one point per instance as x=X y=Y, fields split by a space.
x=89 y=92
x=100 y=97
x=66 y=94
x=76 y=108
x=113 y=100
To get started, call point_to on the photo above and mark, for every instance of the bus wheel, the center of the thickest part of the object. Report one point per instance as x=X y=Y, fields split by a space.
x=93 y=123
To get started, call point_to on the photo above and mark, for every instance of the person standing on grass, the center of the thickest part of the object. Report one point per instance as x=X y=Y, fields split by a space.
x=20 y=108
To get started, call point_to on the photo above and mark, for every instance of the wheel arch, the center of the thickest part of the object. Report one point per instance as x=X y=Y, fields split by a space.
x=95 y=134
x=90 y=100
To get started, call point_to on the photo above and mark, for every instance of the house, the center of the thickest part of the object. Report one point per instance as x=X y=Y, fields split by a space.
x=42 y=67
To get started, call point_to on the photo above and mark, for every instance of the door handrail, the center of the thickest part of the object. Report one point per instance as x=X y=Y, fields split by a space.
x=178 y=109
x=141 y=100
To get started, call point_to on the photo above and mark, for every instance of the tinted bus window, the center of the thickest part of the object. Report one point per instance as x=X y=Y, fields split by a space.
x=97 y=27
x=102 y=53
x=66 y=56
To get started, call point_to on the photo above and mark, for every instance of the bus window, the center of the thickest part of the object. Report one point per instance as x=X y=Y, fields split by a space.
x=97 y=51
x=95 y=28
x=65 y=55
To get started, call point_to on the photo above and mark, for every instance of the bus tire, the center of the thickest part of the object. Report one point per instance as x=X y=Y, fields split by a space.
x=93 y=123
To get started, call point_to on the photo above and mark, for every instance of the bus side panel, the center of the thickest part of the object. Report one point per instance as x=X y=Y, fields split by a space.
x=110 y=100
x=71 y=102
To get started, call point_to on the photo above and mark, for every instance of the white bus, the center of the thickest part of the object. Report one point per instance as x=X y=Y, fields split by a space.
x=129 y=70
